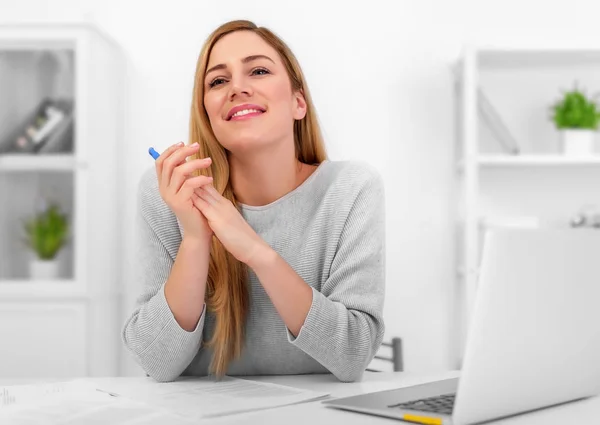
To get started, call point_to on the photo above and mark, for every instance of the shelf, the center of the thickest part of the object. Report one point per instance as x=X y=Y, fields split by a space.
x=32 y=162
x=49 y=35
x=548 y=160
x=536 y=57
x=30 y=289
x=536 y=160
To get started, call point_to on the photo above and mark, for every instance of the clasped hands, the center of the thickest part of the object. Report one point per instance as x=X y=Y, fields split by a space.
x=200 y=208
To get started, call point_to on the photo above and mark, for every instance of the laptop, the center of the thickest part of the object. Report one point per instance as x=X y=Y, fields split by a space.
x=534 y=338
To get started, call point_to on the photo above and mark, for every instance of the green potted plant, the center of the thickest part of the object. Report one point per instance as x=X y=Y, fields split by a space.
x=46 y=235
x=577 y=117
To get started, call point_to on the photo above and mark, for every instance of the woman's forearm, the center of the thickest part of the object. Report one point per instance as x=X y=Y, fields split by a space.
x=186 y=285
x=289 y=293
x=341 y=330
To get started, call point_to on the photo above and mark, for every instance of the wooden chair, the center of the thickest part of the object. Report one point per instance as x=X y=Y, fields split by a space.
x=396 y=359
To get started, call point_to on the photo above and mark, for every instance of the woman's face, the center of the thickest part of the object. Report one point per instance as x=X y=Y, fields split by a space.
x=248 y=95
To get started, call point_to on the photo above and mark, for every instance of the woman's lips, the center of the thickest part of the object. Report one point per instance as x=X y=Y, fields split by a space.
x=243 y=110
x=245 y=114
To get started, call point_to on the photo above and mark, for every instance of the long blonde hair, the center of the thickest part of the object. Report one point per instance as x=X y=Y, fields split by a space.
x=227 y=291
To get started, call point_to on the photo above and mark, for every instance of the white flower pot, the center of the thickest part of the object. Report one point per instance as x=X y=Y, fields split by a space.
x=44 y=269
x=576 y=142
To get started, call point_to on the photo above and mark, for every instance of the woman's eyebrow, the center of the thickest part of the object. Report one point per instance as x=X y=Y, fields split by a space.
x=255 y=57
x=245 y=60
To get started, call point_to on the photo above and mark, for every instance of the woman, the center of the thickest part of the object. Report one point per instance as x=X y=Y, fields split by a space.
x=259 y=255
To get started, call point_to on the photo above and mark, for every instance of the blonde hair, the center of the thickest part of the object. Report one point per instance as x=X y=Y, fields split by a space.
x=227 y=291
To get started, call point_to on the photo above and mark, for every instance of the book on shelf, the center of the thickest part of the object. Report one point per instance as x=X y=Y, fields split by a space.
x=47 y=129
x=496 y=124
x=491 y=117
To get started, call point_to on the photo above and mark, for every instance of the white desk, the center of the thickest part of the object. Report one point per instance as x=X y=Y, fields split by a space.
x=312 y=413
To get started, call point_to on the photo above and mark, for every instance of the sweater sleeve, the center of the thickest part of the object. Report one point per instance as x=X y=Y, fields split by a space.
x=344 y=327
x=151 y=334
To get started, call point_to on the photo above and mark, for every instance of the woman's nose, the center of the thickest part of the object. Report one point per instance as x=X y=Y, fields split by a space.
x=240 y=87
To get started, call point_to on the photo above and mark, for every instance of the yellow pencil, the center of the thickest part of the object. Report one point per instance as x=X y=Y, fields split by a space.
x=423 y=419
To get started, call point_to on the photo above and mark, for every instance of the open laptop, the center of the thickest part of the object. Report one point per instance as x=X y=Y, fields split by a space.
x=534 y=338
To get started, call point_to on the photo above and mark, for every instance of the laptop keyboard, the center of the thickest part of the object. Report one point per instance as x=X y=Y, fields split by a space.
x=438 y=404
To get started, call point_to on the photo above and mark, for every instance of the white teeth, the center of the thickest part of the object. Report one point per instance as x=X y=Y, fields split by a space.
x=244 y=112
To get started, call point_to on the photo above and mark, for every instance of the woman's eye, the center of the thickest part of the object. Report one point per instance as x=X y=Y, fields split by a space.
x=216 y=82
x=260 y=71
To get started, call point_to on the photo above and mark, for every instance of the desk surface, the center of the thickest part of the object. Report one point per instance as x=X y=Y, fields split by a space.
x=585 y=411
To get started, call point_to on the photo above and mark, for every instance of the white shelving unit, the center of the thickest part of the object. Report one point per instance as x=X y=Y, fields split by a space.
x=68 y=326
x=548 y=160
x=25 y=163
x=540 y=183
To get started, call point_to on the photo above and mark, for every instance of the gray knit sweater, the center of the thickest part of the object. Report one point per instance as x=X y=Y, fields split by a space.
x=330 y=230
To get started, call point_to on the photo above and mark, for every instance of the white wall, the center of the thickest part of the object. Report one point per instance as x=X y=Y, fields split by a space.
x=388 y=59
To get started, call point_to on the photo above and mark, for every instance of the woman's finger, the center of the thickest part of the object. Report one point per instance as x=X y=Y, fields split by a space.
x=183 y=171
x=192 y=184
x=203 y=193
x=158 y=164
x=214 y=193
x=176 y=158
x=201 y=204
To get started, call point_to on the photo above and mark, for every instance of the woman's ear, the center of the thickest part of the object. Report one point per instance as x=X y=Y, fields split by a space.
x=299 y=105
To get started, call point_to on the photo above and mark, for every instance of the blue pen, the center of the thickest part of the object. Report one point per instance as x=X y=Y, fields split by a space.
x=153 y=153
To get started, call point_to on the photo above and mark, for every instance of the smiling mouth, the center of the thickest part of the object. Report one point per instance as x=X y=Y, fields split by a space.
x=245 y=113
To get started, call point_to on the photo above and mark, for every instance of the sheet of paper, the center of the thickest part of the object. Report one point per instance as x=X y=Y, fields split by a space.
x=19 y=394
x=75 y=403
x=200 y=398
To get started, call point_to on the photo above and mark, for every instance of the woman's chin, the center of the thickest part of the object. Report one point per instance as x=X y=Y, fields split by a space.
x=248 y=143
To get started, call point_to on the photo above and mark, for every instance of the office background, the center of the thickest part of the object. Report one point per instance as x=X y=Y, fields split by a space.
x=379 y=75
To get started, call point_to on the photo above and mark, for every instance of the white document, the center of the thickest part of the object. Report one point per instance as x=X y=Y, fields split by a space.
x=199 y=398
x=76 y=403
